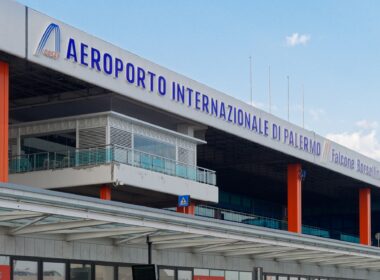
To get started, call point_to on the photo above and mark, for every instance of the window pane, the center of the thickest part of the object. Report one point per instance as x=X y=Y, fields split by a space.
x=232 y=275
x=282 y=278
x=4 y=260
x=154 y=147
x=217 y=273
x=80 y=271
x=25 y=270
x=103 y=272
x=185 y=275
x=54 y=271
x=245 y=276
x=166 y=274
x=58 y=142
x=201 y=272
x=270 y=277
x=125 y=273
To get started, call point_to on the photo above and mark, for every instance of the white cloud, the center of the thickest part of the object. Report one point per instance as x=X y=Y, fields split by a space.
x=364 y=140
x=297 y=39
x=317 y=113
x=366 y=124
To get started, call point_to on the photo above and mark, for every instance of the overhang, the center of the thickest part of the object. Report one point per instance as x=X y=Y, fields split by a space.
x=30 y=211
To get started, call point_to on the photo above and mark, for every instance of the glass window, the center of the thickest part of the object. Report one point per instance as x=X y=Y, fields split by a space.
x=232 y=275
x=45 y=152
x=166 y=274
x=217 y=273
x=154 y=147
x=104 y=272
x=54 y=271
x=80 y=271
x=58 y=142
x=235 y=200
x=25 y=270
x=270 y=277
x=125 y=273
x=282 y=277
x=185 y=275
x=245 y=276
x=4 y=260
x=293 y=278
x=201 y=272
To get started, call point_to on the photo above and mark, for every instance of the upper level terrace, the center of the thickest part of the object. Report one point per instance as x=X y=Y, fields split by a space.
x=108 y=148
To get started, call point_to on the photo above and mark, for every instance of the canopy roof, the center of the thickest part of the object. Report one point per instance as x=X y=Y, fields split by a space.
x=31 y=211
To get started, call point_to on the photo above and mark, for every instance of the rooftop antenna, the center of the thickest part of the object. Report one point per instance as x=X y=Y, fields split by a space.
x=303 y=107
x=270 y=94
x=250 y=78
x=288 y=93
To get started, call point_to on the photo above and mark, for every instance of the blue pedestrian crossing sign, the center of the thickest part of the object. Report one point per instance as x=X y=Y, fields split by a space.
x=183 y=200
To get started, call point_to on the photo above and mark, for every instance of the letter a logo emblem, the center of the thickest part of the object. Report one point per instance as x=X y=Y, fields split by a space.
x=42 y=49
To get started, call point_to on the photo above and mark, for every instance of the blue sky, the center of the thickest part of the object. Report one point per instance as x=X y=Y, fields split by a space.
x=332 y=49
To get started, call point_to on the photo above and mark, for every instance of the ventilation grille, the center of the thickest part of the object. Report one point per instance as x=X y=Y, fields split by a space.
x=186 y=156
x=121 y=137
x=92 y=137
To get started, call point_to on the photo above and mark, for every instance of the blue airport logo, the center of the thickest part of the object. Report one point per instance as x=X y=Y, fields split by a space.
x=42 y=50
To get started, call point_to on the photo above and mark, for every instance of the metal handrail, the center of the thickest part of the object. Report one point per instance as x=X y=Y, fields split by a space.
x=249 y=218
x=107 y=154
x=240 y=217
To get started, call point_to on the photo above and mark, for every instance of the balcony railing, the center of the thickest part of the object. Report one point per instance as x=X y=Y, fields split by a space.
x=108 y=154
x=251 y=219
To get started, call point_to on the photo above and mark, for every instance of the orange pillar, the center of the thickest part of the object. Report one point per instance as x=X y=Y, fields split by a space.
x=294 y=198
x=188 y=209
x=4 y=115
x=105 y=192
x=365 y=216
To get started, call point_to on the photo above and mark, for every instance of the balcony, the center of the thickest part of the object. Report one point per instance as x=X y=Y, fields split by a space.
x=109 y=154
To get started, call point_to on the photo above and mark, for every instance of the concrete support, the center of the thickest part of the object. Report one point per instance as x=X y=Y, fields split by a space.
x=188 y=209
x=4 y=120
x=365 y=216
x=294 y=198
x=105 y=192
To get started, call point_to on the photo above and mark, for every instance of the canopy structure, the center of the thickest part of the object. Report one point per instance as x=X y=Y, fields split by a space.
x=29 y=211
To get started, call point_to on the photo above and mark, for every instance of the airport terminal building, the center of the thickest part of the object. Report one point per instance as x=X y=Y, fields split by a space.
x=108 y=161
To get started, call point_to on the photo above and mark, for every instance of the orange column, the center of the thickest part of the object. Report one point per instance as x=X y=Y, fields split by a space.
x=365 y=216
x=4 y=115
x=294 y=198
x=188 y=209
x=105 y=192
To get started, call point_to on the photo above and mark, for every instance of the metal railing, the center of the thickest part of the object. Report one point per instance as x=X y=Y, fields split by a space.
x=251 y=219
x=107 y=154
x=239 y=217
